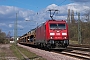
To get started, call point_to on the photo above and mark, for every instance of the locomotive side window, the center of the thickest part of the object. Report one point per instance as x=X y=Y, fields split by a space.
x=57 y=26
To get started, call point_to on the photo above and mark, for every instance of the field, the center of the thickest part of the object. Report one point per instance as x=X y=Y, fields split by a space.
x=14 y=52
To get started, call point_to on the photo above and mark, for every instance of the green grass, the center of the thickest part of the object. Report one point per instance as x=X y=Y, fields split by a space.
x=16 y=52
x=2 y=55
x=25 y=52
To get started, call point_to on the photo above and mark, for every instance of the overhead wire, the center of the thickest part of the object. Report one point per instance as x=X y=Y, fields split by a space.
x=62 y=2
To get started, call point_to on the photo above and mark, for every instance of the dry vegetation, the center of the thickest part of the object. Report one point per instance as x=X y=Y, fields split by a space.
x=85 y=32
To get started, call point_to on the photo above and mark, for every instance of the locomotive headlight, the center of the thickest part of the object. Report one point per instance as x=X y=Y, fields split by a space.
x=52 y=33
x=51 y=37
x=28 y=39
x=64 y=37
x=64 y=33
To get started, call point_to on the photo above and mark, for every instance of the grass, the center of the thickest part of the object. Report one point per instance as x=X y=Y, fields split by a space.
x=16 y=52
x=2 y=56
x=26 y=52
x=73 y=42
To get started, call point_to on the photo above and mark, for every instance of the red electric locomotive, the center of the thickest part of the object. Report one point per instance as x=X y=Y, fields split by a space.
x=52 y=34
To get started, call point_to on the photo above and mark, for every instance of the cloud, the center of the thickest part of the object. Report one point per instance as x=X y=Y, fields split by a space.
x=52 y=6
x=63 y=10
x=20 y=26
x=3 y=24
x=8 y=15
x=10 y=25
x=77 y=7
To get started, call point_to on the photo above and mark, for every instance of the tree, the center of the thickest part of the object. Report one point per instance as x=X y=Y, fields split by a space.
x=2 y=36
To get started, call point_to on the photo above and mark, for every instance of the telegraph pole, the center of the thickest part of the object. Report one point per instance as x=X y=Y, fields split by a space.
x=15 y=30
x=68 y=18
x=79 y=29
x=88 y=17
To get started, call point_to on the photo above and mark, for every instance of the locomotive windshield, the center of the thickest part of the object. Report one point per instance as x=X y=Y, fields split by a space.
x=57 y=26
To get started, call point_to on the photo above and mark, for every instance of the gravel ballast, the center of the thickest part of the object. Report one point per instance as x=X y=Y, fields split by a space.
x=48 y=55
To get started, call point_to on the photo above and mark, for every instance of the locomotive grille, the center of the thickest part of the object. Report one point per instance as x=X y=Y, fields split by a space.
x=59 y=43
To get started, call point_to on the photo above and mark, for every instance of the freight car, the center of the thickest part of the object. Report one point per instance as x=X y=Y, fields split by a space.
x=52 y=34
x=28 y=38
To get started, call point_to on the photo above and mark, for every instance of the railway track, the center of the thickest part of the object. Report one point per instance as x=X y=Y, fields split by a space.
x=82 y=52
x=80 y=47
x=77 y=55
x=78 y=52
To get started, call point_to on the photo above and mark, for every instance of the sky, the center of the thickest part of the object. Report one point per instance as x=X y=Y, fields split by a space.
x=36 y=12
x=34 y=5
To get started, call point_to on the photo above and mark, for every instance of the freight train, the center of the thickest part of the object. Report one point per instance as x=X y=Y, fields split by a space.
x=52 y=34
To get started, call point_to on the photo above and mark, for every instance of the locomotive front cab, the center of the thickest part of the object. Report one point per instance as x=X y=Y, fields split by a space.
x=58 y=34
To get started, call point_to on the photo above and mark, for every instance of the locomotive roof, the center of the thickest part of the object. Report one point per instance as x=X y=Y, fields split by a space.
x=55 y=20
x=62 y=21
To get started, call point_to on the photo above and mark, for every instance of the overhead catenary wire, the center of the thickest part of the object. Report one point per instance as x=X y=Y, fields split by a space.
x=62 y=2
